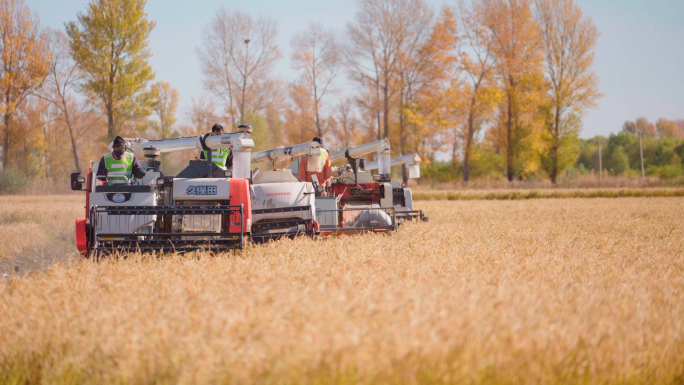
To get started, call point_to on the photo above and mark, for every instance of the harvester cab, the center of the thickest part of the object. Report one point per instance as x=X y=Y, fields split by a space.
x=203 y=207
x=402 y=196
x=281 y=204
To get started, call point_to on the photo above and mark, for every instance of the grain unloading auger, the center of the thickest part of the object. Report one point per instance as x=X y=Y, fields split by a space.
x=203 y=207
x=281 y=204
x=402 y=196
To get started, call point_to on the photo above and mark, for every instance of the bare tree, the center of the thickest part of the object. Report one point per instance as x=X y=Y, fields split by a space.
x=24 y=59
x=202 y=115
x=381 y=31
x=164 y=105
x=237 y=60
x=59 y=90
x=316 y=57
x=346 y=124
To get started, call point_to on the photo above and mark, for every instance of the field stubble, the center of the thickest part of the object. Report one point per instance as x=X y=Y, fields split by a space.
x=538 y=291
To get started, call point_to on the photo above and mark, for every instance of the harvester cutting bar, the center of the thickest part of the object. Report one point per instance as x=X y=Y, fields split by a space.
x=296 y=221
x=177 y=210
x=154 y=236
x=411 y=215
x=356 y=220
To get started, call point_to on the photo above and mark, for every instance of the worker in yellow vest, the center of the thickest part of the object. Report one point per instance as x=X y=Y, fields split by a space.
x=221 y=157
x=119 y=165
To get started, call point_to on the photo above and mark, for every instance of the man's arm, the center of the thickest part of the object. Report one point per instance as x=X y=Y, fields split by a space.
x=302 y=169
x=138 y=171
x=327 y=169
x=102 y=170
x=229 y=159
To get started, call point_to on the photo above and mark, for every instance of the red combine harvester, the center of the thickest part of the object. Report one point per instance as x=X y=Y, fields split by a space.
x=203 y=207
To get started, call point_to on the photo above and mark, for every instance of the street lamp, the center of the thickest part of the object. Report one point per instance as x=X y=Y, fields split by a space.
x=244 y=83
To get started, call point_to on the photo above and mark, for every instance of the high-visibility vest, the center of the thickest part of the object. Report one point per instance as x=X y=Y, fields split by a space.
x=119 y=169
x=219 y=157
x=324 y=156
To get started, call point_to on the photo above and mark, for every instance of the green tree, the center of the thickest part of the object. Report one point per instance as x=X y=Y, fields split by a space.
x=618 y=161
x=561 y=139
x=110 y=44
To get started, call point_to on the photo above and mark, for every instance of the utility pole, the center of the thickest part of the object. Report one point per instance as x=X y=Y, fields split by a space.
x=600 y=161
x=641 y=155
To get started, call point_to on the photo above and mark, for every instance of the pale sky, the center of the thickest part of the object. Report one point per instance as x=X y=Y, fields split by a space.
x=639 y=60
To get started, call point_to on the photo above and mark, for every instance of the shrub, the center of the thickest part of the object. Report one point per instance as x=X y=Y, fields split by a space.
x=439 y=172
x=12 y=181
x=665 y=172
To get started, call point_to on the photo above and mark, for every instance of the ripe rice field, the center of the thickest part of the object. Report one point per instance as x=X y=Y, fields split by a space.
x=539 y=291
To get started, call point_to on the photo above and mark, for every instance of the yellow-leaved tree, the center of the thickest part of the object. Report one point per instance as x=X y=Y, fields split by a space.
x=517 y=56
x=24 y=61
x=110 y=45
x=569 y=39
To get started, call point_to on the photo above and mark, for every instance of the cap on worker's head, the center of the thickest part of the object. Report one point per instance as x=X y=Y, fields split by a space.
x=118 y=141
x=245 y=128
x=318 y=139
x=216 y=128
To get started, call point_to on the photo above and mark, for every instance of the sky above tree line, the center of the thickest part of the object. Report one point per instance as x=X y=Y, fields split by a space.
x=639 y=59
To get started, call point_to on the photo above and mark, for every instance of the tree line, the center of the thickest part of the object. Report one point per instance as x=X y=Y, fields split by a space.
x=501 y=86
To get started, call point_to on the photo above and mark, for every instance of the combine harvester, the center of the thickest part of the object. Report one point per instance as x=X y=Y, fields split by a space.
x=204 y=206
x=282 y=206
x=355 y=201
x=402 y=197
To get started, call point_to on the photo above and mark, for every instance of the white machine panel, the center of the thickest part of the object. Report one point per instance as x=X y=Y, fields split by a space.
x=282 y=195
x=201 y=189
x=122 y=224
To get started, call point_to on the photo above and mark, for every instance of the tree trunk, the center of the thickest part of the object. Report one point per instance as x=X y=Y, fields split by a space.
x=509 y=142
x=469 y=142
x=111 y=131
x=402 y=138
x=600 y=161
x=6 y=140
x=641 y=156
x=554 y=149
x=73 y=140
x=386 y=111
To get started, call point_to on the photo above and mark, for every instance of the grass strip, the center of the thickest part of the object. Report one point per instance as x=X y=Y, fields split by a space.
x=550 y=194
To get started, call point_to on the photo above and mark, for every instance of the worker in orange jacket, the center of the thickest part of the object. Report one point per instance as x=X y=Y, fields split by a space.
x=325 y=175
